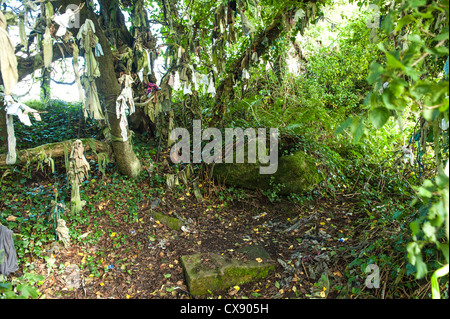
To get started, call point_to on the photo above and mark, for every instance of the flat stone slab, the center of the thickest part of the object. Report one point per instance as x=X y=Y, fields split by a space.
x=171 y=222
x=207 y=272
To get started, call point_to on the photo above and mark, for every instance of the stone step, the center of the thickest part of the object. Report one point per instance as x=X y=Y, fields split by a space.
x=208 y=272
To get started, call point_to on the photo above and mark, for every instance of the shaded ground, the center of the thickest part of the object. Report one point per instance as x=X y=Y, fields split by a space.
x=119 y=251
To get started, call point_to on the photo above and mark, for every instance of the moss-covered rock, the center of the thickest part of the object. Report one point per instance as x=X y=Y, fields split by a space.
x=207 y=272
x=297 y=172
x=171 y=222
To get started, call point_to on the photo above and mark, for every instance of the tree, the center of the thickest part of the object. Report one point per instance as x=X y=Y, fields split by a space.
x=218 y=39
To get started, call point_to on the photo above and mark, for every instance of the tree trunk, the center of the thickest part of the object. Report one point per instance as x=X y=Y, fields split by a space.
x=45 y=85
x=109 y=89
x=3 y=132
x=57 y=150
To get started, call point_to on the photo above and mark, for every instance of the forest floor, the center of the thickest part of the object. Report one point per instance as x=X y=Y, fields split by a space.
x=141 y=258
x=119 y=250
x=320 y=244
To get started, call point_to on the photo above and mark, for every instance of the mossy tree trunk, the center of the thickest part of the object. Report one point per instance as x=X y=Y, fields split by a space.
x=3 y=132
x=109 y=89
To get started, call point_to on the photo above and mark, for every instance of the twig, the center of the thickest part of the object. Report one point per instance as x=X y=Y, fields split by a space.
x=384 y=286
x=304 y=268
x=426 y=53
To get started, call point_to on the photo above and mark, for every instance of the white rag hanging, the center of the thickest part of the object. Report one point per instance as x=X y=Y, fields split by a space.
x=63 y=20
x=247 y=26
x=255 y=56
x=127 y=92
x=171 y=81
x=187 y=88
x=98 y=50
x=245 y=74
x=196 y=79
x=125 y=102
x=408 y=154
x=444 y=124
x=48 y=48
x=121 y=107
x=211 y=87
x=177 y=82
x=205 y=82
x=149 y=62
x=84 y=29
x=21 y=111
x=8 y=61
x=299 y=14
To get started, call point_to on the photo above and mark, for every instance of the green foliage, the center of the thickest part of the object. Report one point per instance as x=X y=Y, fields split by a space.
x=57 y=114
x=410 y=76
x=21 y=288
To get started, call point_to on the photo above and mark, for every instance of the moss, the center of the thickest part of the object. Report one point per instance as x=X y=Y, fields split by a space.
x=171 y=222
x=297 y=172
x=212 y=272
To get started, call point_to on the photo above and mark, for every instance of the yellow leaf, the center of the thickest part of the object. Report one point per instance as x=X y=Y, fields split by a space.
x=102 y=284
x=237 y=288
x=322 y=223
x=113 y=234
x=259 y=260
x=128 y=296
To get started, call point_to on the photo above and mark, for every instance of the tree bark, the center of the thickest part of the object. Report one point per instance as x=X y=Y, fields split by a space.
x=3 y=132
x=109 y=89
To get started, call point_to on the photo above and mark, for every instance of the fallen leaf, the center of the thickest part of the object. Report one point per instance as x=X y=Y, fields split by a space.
x=259 y=260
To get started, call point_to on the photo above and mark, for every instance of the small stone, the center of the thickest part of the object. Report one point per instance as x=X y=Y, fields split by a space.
x=212 y=271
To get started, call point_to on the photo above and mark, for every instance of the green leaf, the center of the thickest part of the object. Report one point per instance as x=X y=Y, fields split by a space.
x=429 y=231
x=387 y=24
x=415 y=3
x=393 y=62
x=343 y=126
x=379 y=116
x=389 y=99
x=27 y=291
x=375 y=72
x=415 y=258
x=423 y=192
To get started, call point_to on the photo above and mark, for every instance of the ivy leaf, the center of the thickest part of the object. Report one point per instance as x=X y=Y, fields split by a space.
x=27 y=291
x=415 y=258
x=379 y=116
x=429 y=231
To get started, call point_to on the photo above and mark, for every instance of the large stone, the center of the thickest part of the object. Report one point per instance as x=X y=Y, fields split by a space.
x=208 y=272
x=297 y=172
x=171 y=222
